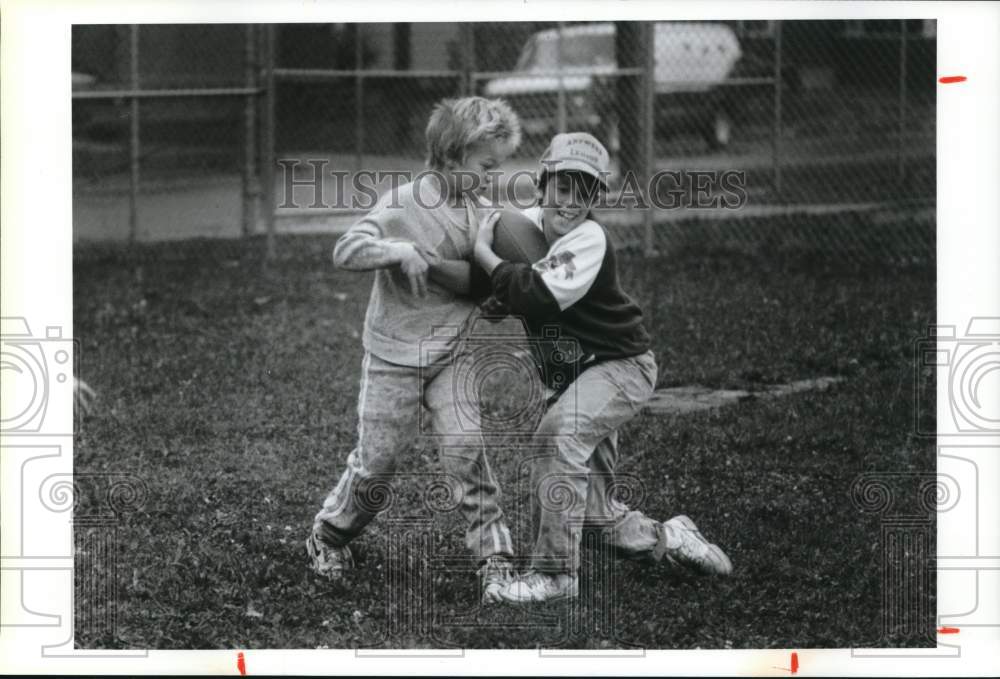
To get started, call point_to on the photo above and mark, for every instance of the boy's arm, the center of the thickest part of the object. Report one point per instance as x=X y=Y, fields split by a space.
x=556 y=283
x=461 y=277
x=362 y=248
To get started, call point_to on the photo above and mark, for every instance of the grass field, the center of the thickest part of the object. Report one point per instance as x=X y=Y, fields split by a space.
x=229 y=386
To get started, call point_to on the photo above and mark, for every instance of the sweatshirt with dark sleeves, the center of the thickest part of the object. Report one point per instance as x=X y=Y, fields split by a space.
x=573 y=294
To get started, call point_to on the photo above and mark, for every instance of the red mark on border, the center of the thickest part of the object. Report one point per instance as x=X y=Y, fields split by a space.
x=794 y=667
x=948 y=79
x=241 y=664
x=947 y=630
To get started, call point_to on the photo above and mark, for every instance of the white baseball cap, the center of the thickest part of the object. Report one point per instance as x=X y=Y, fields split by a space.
x=579 y=152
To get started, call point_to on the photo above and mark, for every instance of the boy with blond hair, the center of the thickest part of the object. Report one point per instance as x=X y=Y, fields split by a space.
x=430 y=221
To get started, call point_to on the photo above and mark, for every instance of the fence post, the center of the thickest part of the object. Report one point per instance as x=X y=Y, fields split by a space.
x=359 y=100
x=776 y=131
x=561 y=94
x=267 y=152
x=648 y=128
x=467 y=37
x=250 y=190
x=401 y=61
x=133 y=141
x=900 y=159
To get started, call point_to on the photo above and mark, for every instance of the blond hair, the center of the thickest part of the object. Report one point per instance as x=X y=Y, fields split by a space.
x=457 y=124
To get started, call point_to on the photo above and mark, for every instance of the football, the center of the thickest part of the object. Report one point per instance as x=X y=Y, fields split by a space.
x=517 y=239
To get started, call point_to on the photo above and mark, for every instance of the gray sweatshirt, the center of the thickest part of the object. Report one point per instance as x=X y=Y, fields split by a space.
x=397 y=321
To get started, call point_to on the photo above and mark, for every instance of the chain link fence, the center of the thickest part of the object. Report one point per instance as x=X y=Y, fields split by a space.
x=165 y=131
x=753 y=135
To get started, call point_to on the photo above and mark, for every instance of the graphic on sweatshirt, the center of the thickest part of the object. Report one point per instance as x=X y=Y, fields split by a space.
x=560 y=259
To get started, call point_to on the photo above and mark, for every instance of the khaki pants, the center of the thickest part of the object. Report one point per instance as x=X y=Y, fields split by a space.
x=574 y=476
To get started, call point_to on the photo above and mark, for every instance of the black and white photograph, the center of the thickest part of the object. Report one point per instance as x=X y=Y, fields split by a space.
x=584 y=335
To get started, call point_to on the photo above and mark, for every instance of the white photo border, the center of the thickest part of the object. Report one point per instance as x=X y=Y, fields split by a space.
x=36 y=469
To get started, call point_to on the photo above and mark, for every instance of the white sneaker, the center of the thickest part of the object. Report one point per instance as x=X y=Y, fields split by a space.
x=682 y=544
x=535 y=587
x=329 y=562
x=495 y=574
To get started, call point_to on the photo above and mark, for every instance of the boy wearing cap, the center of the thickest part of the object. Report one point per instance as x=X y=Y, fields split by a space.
x=575 y=288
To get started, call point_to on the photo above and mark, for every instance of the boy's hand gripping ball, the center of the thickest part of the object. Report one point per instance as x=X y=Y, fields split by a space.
x=515 y=239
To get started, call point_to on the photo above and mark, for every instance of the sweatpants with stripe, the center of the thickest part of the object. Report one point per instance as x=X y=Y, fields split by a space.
x=389 y=406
